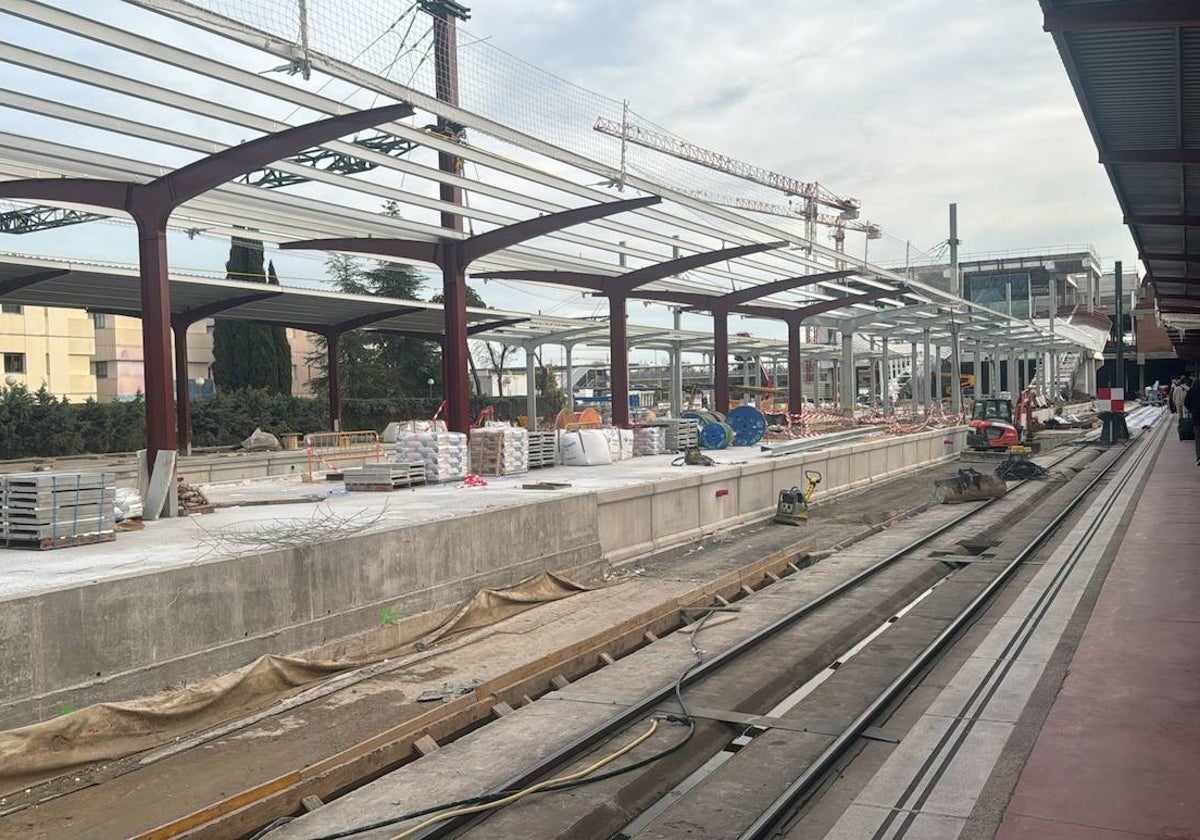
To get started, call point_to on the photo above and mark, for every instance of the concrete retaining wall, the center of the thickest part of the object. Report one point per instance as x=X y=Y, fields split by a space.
x=648 y=517
x=127 y=637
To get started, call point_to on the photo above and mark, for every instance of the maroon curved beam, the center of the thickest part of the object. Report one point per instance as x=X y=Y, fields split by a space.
x=151 y=205
x=453 y=257
x=794 y=318
x=720 y=307
x=180 y=323
x=618 y=289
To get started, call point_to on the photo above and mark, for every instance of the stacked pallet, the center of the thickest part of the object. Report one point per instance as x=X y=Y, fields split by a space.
x=384 y=477
x=649 y=440
x=542 y=446
x=444 y=454
x=681 y=434
x=499 y=450
x=55 y=510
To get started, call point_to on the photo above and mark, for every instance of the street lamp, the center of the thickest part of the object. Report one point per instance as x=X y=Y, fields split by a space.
x=429 y=382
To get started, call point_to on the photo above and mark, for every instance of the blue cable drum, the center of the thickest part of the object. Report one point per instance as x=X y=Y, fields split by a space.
x=712 y=436
x=749 y=425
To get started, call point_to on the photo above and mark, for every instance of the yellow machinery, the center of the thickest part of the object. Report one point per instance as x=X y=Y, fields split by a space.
x=793 y=504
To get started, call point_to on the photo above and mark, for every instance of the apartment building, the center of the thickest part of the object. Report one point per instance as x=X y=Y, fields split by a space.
x=42 y=345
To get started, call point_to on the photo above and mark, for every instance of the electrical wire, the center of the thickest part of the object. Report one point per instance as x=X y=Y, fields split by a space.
x=508 y=800
x=684 y=717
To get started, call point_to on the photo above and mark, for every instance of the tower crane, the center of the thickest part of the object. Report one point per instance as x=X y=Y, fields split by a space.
x=813 y=194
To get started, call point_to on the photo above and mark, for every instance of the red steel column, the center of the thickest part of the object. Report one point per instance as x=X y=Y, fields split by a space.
x=156 y=335
x=618 y=351
x=183 y=398
x=333 y=359
x=795 y=369
x=720 y=361
x=456 y=376
x=455 y=382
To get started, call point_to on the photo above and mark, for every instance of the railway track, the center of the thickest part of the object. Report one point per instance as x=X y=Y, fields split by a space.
x=972 y=523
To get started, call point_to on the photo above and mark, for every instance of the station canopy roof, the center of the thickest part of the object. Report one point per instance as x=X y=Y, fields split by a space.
x=115 y=290
x=1135 y=67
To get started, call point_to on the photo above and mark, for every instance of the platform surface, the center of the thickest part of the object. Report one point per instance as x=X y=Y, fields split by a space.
x=1119 y=755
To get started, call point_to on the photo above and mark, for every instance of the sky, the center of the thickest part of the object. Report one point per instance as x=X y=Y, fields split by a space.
x=907 y=105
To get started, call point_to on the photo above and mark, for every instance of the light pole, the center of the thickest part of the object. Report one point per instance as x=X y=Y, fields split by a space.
x=429 y=382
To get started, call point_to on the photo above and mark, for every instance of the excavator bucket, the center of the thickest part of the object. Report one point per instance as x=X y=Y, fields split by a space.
x=968 y=486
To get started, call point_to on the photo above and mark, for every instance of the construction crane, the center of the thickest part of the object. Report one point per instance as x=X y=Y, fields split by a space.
x=838 y=224
x=813 y=194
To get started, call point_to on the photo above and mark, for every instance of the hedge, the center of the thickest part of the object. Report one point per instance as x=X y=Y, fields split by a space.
x=37 y=424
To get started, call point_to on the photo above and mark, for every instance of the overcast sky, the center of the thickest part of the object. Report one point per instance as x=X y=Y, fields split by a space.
x=905 y=104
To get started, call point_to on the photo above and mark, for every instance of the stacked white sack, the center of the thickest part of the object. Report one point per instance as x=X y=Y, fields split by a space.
x=444 y=454
x=649 y=440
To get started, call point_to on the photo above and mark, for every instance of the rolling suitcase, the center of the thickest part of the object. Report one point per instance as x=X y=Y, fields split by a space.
x=1186 y=430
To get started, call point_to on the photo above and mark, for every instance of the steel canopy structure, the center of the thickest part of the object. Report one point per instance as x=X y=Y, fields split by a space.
x=1135 y=67
x=514 y=180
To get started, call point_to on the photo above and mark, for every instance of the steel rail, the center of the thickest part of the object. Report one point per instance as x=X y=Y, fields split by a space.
x=641 y=708
x=802 y=787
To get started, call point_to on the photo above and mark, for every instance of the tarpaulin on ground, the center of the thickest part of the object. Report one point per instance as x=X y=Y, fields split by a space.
x=488 y=606
x=108 y=731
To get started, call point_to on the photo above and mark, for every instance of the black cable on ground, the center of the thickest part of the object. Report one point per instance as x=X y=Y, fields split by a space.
x=685 y=717
x=1020 y=470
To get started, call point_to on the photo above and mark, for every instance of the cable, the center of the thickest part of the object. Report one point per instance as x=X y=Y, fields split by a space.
x=555 y=785
x=508 y=800
x=1020 y=470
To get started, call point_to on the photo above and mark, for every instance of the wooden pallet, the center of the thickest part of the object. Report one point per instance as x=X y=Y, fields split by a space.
x=59 y=542
x=379 y=478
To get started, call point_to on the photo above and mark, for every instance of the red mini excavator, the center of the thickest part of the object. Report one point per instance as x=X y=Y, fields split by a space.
x=993 y=426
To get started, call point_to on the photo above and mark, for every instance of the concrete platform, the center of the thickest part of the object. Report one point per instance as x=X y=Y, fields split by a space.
x=182 y=599
x=1119 y=754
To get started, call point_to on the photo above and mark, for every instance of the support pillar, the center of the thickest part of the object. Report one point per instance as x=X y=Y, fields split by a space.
x=618 y=351
x=994 y=371
x=849 y=380
x=912 y=374
x=795 y=370
x=935 y=375
x=570 y=374
x=885 y=377
x=956 y=401
x=926 y=390
x=156 y=336
x=677 y=371
x=183 y=397
x=720 y=362
x=333 y=375
x=977 y=367
x=531 y=387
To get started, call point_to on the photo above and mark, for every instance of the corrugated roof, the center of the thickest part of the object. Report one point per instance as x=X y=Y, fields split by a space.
x=1135 y=67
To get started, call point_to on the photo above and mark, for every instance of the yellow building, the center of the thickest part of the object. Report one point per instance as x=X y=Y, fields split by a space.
x=41 y=345
x=120 y=374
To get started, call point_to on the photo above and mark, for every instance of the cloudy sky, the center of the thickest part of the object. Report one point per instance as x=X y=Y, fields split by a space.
x=905 y=104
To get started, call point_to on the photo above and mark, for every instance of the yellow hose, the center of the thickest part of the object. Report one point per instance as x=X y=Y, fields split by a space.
x=500 y=803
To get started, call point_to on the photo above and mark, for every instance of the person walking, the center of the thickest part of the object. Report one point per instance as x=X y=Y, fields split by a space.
x=1191 y=404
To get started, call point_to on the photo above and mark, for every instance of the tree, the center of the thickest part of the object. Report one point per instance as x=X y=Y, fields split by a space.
x=282 y=349
x=375 y=364
x=247 y=355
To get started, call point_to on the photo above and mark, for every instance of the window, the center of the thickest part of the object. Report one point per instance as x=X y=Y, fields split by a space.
x=11 y=308
x=14 y=362
x=100 y=369
x=99 y=320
